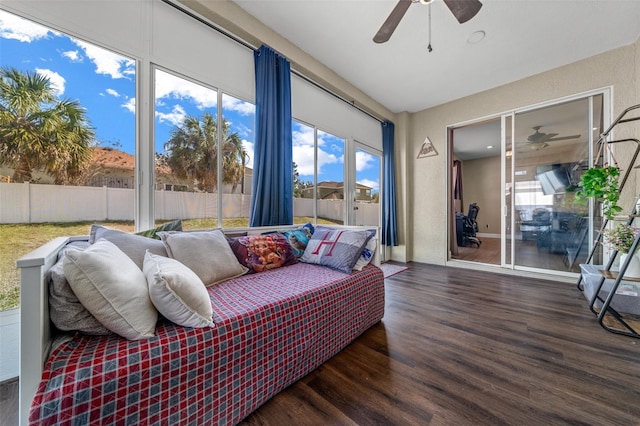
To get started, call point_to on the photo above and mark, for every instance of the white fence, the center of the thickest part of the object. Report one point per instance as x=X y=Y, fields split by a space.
x=37 y=203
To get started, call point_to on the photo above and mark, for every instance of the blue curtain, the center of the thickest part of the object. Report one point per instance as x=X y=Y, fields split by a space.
x=272 y=193
x=389 y=225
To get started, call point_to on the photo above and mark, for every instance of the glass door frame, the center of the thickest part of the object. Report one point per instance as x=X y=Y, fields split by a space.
x=507 y=220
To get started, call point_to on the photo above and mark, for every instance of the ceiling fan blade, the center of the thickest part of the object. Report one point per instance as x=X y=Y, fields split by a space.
x=539 y=137
x=392 y=21
x=562 y=138
x=463 y=10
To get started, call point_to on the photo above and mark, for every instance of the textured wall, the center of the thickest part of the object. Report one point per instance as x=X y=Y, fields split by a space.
x=481 y=184
x=618 y=68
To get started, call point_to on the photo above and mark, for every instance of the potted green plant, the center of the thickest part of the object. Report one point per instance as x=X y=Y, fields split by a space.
x=621 y=239
x=601 y=184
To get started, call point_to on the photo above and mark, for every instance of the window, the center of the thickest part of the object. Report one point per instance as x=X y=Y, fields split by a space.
x=319 y=184
x=237 y=163
x=188 y=153
x=83 y=174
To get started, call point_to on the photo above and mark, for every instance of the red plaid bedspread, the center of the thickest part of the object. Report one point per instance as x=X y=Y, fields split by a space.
x=271 y=329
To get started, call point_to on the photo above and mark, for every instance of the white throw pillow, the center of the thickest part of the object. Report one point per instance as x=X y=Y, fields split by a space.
x=177 y=292
x=112 y=287
x=207 y=253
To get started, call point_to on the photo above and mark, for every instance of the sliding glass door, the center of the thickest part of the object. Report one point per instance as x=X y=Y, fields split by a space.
x=550 y=152
x=543 y=152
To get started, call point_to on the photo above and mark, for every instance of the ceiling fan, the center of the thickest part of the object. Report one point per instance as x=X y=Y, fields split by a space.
x=538 y=140
x=463 y=10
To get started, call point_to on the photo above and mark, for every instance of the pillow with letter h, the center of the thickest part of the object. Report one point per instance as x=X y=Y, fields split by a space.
x=336 y=248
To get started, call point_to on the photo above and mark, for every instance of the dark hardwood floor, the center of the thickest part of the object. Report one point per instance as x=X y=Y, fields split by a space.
x=9 y=403
x=463 y=347
x=460 y=347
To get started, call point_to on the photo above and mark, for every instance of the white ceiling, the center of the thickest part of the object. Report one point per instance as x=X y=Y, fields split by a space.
x=523 y=38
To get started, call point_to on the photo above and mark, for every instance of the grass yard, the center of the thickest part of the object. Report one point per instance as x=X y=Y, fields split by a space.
x=16 y=240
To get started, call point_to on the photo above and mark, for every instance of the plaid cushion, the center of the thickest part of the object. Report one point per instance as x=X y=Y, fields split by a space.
x=271 y=329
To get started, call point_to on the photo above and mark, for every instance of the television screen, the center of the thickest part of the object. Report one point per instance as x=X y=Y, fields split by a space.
x=553 y=179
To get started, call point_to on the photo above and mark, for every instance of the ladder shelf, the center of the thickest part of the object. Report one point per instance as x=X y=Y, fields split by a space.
x=611 y=283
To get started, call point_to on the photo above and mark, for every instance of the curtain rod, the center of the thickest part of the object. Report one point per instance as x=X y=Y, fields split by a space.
x=253 y=48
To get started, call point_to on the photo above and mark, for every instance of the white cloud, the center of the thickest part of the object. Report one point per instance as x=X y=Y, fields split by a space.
x=23 y=30
x=374 y=184
x=107 y=62
x=364 y=161
x=72 y=55
x=130 y=105
x=57 y=81
x=175 y=117
x=303 y=157
x=172 y=87
x=112 y=92
x=303 y=150
x=242 y=107
x=248 y=147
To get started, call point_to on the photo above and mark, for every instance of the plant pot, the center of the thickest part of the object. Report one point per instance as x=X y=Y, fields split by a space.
x=633 y=269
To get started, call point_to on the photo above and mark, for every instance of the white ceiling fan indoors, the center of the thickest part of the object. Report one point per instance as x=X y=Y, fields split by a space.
x=539 y=140
x=463 y=10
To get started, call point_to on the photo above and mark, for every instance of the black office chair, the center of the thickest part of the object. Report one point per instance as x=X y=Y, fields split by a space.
x=470 y=227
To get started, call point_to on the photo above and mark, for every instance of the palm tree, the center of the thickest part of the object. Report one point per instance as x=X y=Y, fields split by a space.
x=192 y=153
x=39 y=131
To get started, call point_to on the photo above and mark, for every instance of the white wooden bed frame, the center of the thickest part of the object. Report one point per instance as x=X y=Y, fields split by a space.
x=35 y=325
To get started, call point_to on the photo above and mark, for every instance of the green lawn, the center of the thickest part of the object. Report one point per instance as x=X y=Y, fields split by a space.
x=17 y=240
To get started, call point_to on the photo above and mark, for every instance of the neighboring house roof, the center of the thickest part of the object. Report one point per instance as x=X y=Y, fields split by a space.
x=116 y=159
x=337 y=185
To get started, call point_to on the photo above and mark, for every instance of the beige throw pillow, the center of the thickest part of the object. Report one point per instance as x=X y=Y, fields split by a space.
x=207 y=253
x=177 y=292
x=112 y=287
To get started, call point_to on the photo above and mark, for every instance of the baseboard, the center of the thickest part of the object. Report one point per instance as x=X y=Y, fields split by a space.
x=487 y=235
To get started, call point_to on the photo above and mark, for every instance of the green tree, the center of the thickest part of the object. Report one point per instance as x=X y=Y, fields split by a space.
x=39 y=131
x=192 y=153
x=299 y=185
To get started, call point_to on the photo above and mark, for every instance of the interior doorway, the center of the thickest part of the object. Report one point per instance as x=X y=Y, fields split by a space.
x=476 y=182
x=522 y=170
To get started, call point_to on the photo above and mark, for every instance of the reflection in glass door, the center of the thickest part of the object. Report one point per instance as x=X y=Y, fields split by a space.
x=550 y=152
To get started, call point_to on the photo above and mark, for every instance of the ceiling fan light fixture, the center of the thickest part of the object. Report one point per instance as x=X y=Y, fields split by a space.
x=425 y=1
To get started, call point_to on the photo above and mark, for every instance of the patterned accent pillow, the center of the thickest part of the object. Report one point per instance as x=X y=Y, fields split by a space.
x=299 y=238
x=263 y=252
x=176 y=225
x=367 y=253
x=336 y=248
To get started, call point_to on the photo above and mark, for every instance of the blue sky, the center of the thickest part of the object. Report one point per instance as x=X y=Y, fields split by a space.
x=104 y=84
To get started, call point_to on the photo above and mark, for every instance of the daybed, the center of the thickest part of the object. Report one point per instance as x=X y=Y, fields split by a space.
x=270 y=329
